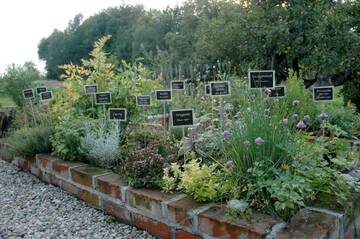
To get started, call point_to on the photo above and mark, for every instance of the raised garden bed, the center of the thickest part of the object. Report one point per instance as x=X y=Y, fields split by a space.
x=177 y=215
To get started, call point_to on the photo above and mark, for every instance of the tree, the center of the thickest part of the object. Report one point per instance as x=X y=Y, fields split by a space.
x=318 y=38
x=18 y=78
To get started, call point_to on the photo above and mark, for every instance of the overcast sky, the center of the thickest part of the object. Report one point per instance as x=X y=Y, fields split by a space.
x=24 y=22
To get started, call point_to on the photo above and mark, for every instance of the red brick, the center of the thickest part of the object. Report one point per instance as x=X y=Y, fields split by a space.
x=310 y=224
x=36 y=171
x=49 y=178
x=44 y=161
x=147 y=200
x=216 y=223
x=158 y=229
x=177 y=210
x=30 y=158
x=84 y=174
x=110 y=185
x=24 y=164
x=186 y=235
x=118 y=211
x=61 y=167
x=90 y=198
x=69 y=187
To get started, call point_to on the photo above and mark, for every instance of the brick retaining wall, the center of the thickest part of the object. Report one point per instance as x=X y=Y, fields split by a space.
x=170 y=216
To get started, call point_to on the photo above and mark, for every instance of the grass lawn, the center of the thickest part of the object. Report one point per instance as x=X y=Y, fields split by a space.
x=5 y=100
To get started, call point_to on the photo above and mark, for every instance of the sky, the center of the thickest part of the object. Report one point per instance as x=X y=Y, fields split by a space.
x=23 y=23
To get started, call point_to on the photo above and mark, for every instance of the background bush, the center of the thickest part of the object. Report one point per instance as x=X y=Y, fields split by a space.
x=18 y=78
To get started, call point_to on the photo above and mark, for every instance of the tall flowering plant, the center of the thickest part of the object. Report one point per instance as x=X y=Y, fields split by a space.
x=259 y=150
x=261 y=133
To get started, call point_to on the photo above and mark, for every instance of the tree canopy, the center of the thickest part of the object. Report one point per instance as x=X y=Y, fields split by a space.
x=321 y=38
x=18 y=78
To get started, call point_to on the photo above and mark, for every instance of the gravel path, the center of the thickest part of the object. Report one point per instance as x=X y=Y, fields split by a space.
x=31 y=209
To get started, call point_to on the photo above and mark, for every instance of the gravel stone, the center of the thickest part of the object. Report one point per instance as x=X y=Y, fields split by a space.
x=30 y=208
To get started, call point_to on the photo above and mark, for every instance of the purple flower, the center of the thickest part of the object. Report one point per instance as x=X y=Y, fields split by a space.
x=259 y=141
x=295 y=117
x=285 y=121
x=296 y=103
x=301 y=125
x=226 y=134
x=323 y=116
x=306 y=118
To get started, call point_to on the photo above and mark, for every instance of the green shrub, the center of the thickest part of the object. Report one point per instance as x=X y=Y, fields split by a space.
x=351 y=93
x=18 y=78
x=66 y=139
x=296 y=91
x=204 y=182
x=133 y=79
x=101 y=143
x=143 y=168
x=344 y=117
x=31 y=140
x=330 y=188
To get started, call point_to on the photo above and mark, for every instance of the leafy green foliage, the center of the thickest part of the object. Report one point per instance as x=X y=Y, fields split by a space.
x=18 y=78
x=134 y=79
x=205 y=183
x=295 y=90
x=351 y=93
x=143 y=168
x=329 y=187
x=66 y=139
x=343 y=121
x=269 y=158
x=147 y=152
x=31 y=140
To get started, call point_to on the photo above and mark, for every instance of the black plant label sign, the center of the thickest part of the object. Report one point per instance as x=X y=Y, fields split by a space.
x=103 y=98
x=28 y=94
x=163 y=95
x=39 y=90
x=261 y=79
x=277 y=92
x=46 y=95
x=143 y=100
x=323 y=93
x=220 y=88
x=181 y=118
x=118 y=114
x=91 y=89
x=178 y=85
